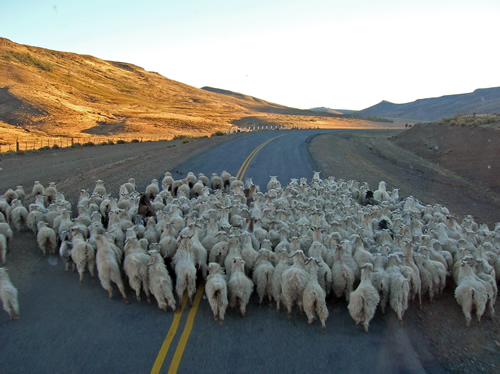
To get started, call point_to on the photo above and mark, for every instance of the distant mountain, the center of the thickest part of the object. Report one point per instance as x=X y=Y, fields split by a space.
x=481 y=101
x=323 y=109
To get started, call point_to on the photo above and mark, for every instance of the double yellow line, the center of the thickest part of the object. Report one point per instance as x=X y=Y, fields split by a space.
x=249 y=159
x=179 y=351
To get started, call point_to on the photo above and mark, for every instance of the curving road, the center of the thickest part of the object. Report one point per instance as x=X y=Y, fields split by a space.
x=78 y=329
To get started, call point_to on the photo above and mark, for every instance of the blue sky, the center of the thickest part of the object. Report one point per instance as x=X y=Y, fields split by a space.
x=340 y=54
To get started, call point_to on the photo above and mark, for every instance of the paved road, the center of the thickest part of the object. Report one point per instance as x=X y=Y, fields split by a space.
x=67 y=328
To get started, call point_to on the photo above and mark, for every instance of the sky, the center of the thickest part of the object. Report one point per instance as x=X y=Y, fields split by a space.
x=348 y=54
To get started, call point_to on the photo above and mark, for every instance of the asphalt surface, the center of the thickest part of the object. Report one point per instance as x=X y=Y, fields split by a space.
x=67 y=328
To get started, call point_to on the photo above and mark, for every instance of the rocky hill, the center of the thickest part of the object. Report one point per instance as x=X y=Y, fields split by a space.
x=481 y=101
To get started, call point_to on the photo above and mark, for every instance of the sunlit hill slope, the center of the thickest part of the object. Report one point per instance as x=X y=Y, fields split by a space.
x=50 y=93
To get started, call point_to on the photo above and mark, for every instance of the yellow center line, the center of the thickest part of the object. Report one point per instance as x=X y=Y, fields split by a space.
x=174 y=364
x=168 y=339
x=246 y=163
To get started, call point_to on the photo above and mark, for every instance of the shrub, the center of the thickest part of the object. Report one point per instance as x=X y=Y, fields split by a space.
x=120 y=141
x=55 y=146
x=75 y=145
x=218 y=133
x=110 y=142
x=185 y=141
x=44 y=148
x=134 y=141
x=88 y=144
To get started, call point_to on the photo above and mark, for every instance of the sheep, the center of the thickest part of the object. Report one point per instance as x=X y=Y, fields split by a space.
x=65 y=250
x=10 y=195
x=21 y=195
x=135 y=266
x=167 y=182
x=153 y=189
x=38 y=189
x=399 y=286
x=273 y=183
x=108 y=268
x=82 y=253
x=185 y=271
x=282 y=265
x=8 y=295
x=262 y=275
x=99 y=188
x=168 y=241
x=342 y=275
x=226 y=180
x=216 y=291
x=293 y=282
x=470 y=293
x=3 y=248
x=50 y=193
x=35 y=215
x=240 y=287
x=197 y=189
x=216 y=182
x=364 y=299
x=313 y=296
x=203 y=179
x=160 y=282
x=18 y=215
x=46 y=238
x=7 y=232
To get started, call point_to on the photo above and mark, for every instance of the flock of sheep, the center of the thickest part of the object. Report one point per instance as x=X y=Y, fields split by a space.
x=295 y=245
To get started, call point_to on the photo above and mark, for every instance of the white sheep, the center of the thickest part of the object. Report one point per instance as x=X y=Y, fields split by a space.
x=37 y=189
x=273 y=183
x=3 y=248
x=153 y=189
x=240 y=287
x=470 y=293
x=7 y=232
x=8 y=295
x=167 y=182
x=50 y=193
x=21 y=195
x=46 y=238
x=342 y=275
x=160 y=282
x=216 y=182
x=262 y=274
x=282 y=265
x=293 y=282
x=135 y=266
x=108 y=268
x=99 y=188
x=399 y=286
x=82 y=253
x=313 y=297
x=364 y=299
x=18 y=215
x=185 y=272
x=216 y=291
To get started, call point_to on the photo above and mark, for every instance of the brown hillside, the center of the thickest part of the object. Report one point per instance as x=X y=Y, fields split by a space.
x=51 y=93
x=466 y=145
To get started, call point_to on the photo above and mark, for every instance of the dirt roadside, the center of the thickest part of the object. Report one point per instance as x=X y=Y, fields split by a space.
x=362 y=155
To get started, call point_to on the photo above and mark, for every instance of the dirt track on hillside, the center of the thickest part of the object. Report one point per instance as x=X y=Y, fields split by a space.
x=364 y=156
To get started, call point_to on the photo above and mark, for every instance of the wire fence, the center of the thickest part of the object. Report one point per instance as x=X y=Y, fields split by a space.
x=45 y=143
